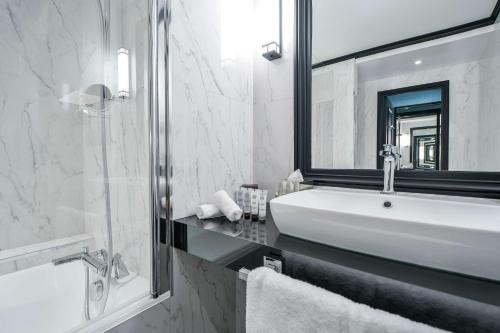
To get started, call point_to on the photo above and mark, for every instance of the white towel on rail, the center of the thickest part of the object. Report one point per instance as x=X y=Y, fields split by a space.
x=278 y=303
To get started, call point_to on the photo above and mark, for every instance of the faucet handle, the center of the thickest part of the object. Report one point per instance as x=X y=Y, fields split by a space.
x=119 y=268
x=387 y=149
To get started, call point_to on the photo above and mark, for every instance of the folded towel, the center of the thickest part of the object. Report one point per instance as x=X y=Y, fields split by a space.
x=227 y=205
x=278 y=303
x=207 y=211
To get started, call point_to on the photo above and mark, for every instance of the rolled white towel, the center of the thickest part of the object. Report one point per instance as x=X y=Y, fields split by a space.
x=207 y=211
x=227 y=206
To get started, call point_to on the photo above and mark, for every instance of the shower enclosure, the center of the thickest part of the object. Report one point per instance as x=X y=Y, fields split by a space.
x=83 y=162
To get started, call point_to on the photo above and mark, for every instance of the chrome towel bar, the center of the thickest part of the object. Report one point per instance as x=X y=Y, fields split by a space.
x=243 y=273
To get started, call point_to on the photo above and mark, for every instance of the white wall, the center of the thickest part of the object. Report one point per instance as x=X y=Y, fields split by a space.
x=332 y=116
x=464 y=112
x=127 y=143
x=273 y=105
x=489 y=97
x=51 y=176
x=212 y=99
x=40 y=197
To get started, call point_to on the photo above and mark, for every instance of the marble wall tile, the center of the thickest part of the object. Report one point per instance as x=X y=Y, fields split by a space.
x=203 y=301
x=465 y=84
x=273 y=107
x=51 y=177
x=333 y=112
x=41 y=160
x=127 y=145
x=212 y=96
x=489 y=99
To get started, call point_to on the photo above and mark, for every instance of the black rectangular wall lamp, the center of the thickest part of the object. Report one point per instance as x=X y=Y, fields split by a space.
x=273 y=21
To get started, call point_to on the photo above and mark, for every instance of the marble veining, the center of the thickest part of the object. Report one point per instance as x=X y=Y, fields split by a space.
x=126 y=127
x=472 y=112
x=203 y=301
x=273 y=107
x=332 y=116
x=212 y=98
x=51 y=184
x=463 y=114
x=40 y=197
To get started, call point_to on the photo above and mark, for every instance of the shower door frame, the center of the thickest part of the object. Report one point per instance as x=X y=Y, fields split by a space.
x=159 y=110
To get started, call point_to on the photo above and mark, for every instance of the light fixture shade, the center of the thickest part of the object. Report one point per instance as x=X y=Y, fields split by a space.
x=270 y=17
x=123 y=73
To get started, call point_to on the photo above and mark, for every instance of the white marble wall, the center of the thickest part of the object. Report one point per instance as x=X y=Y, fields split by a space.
x=332 y=116
x=41 y=161
x=51 y=177
x=273 y=105
x=489 y=99
x=126 y=125
x=212 y=98
x=465 y=113
x=203 y=301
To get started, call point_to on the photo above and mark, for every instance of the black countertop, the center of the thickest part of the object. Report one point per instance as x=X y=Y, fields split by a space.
x=230 y=244
x=445 y=300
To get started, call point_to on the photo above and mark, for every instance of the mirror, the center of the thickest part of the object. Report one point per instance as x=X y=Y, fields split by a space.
x=411 y=119
x=427 y=87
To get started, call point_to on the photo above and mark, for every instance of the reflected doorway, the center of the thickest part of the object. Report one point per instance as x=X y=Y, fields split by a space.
x=415 y=120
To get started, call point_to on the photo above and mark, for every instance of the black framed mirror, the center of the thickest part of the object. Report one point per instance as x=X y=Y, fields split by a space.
x=451 y=152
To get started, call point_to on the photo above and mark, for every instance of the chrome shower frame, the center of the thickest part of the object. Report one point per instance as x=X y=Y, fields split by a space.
x=160 y=163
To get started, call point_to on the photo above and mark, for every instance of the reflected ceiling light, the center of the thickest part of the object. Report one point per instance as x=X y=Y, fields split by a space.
x=123 y=73
x=418 y=62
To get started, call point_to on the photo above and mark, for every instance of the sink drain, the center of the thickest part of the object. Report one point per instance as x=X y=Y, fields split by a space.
x=387 y=204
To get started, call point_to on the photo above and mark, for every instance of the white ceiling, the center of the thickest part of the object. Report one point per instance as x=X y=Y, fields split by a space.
x=342 y=27
x=456 y=49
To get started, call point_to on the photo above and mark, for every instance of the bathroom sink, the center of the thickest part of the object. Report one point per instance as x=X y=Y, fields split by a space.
x=450 y=233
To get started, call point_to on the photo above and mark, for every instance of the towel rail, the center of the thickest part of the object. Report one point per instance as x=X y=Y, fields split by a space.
x=243 y=273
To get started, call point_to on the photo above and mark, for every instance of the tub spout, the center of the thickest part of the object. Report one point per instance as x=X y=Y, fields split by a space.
x=96 y=260
x=67 y=259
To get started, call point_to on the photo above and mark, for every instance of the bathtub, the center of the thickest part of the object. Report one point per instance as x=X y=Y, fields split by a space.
x=50 y=298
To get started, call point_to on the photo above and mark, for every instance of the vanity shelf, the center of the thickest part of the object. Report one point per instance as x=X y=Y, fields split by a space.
x=411 y=291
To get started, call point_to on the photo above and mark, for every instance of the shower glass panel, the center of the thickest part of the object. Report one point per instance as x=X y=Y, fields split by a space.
x=75 y=203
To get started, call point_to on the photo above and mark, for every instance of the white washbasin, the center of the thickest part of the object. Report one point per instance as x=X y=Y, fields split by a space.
x=451 y=233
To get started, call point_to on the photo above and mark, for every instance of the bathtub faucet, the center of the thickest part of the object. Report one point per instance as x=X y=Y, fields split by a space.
x=96 y=260
x=119 y=268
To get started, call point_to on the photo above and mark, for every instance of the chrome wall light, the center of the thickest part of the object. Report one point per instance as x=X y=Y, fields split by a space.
x=273 y=30
x=123 y=73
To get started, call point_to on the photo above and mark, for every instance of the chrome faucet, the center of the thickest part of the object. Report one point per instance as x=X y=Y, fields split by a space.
x=96 y=260
x=391 y=161
x=119 y=268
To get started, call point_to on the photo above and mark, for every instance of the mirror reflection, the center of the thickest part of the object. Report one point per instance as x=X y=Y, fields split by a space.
x=415 y=121
x=436 y=102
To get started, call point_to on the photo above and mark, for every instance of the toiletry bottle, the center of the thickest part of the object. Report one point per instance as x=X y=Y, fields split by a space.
x=262 y=205
x=246 y=203
x=239 y=198
x=254 y=203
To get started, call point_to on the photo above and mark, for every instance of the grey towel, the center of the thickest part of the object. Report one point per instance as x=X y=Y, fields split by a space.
x=419 y=304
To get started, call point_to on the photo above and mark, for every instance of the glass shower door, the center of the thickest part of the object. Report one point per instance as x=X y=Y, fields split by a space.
x=75 y=173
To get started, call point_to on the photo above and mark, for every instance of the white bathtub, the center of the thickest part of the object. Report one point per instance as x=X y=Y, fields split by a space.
x=50 y=298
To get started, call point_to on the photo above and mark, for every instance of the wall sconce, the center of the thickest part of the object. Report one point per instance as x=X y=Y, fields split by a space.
x=272 y=21
x=123 y=73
